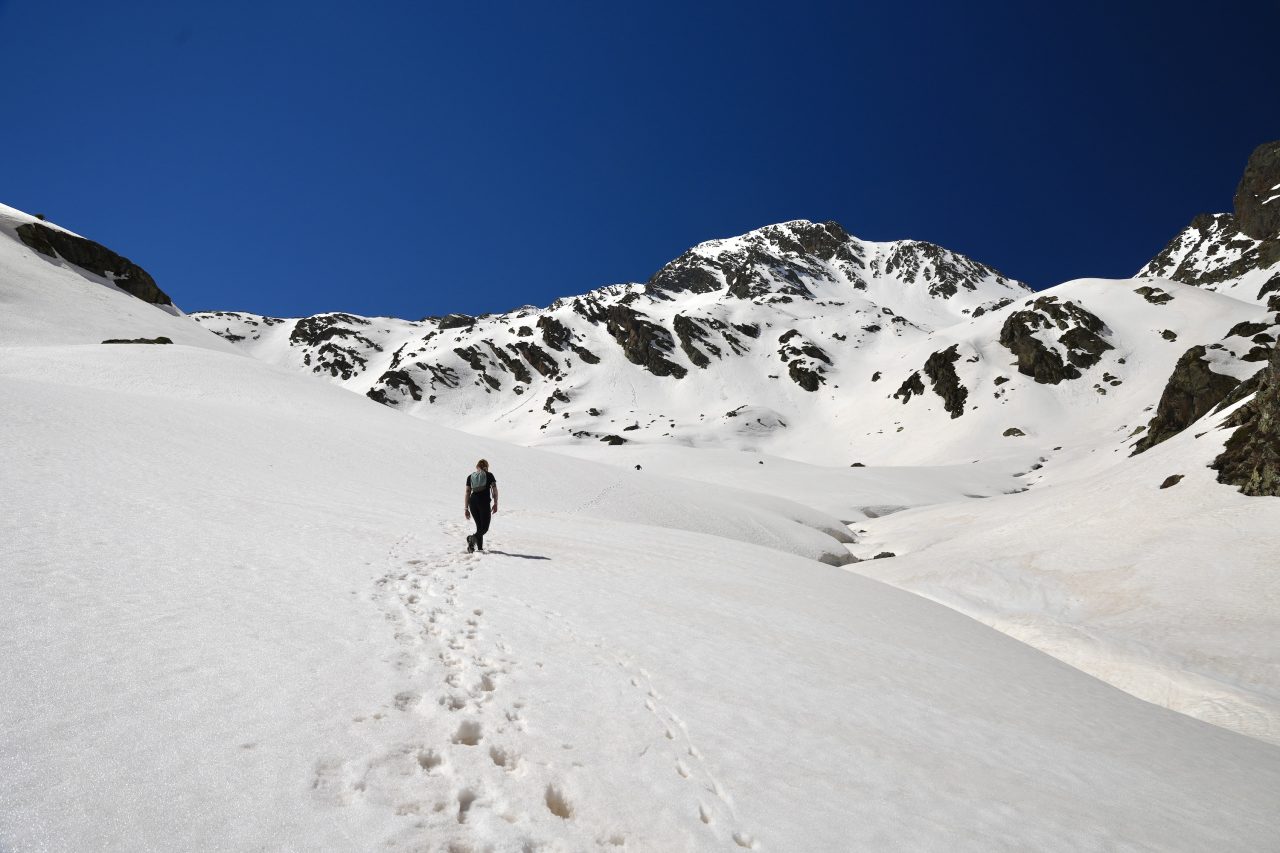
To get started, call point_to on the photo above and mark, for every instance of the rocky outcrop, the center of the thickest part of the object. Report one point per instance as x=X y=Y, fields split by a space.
x=160 y=340
x=1251 y=458
x=690 y=334
x=941 y=370
x=95 y=258
x=911 y=385
x=1192 y=390
x=1081 y=339
x=398 y=382
x=1257 y=199
x=643 y=343
x=558 y=337
x=944 y=272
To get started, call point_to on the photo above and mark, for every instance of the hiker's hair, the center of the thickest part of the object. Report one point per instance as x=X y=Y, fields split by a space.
x=483 y=464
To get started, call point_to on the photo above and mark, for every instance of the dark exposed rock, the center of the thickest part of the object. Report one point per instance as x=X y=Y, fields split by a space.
x=339 y=361
x=643 y=343
x=472 y=356
x=440 y=375
x=95 y=258
x=1080 y=337
x=1212 y=250
x=160 y=340
x=752 y=330
x=688 y=331
x=1013 y=432
x=1247 y=329
x=1171 y=480
x=875 y=377
x=805 y=377
x=688 y=273
x=1251 y=458
x=457 y=321
x=941 y=370
x=615 y=440
x=1192 y=390
x=911 y=385
x=1169 y=335
x=1256 y=206
x=944 y=271
x=515 y=366
x=538 y=358
x=1000 y=380
x=1084 y=347
x=1154 y=295
x=556 y=396
x=884 y=555
x=394 y=380
x=314 y=331
x=995 y=306
x=557 y=336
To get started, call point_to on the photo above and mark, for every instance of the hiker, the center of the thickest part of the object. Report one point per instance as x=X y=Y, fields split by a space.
x=475 y=502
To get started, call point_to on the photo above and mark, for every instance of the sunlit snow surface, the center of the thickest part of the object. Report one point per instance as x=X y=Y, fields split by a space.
x=239 y=616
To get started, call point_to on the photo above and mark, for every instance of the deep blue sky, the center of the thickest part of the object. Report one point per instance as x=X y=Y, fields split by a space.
x=419 y=158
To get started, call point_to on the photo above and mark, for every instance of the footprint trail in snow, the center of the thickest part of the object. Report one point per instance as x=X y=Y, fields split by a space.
x=451 y=762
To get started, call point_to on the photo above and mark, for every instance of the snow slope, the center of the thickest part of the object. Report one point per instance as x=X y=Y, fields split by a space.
x=244 y=622
x=241 y=619
x=1167 y=593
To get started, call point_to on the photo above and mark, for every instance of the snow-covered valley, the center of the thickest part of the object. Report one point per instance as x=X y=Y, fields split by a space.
x=240 y=615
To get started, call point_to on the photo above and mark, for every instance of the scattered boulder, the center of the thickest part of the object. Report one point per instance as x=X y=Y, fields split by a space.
x=883 y=555
x=1171 y=480
x=1013 y=432
x=615 y=440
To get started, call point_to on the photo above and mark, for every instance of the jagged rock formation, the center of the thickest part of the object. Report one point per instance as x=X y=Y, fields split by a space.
x=1251 y=458
x=95 y=258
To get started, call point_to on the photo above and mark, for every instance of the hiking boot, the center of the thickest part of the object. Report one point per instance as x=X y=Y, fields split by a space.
x=471 y=543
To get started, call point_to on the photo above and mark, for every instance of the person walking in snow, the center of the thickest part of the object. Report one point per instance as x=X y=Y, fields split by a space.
x=475 y=503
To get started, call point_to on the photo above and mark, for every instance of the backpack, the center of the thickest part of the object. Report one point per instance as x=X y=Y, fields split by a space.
x=478 y=481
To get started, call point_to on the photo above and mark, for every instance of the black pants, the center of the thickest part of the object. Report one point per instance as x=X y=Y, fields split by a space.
x=479 y=505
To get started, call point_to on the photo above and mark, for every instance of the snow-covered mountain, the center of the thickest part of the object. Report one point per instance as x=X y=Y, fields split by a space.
x=738 y=342
x=800 y=340
x=239 y=617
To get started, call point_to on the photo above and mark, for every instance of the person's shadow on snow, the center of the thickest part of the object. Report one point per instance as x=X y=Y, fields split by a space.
x=521 y=556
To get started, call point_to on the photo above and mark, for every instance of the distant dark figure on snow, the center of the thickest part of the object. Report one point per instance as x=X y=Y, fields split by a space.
x=475 y=502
